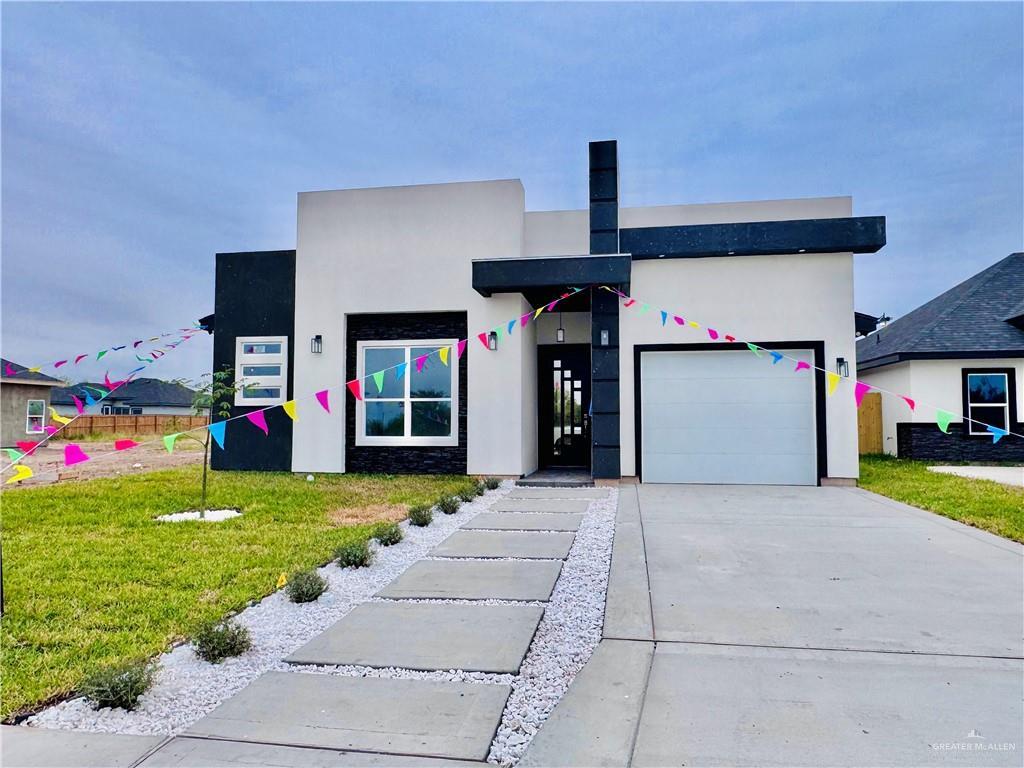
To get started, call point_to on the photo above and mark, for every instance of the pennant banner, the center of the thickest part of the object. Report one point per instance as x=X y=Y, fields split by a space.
x=21 y=472
x=323 y=397
x=289 y=408
x=169 y=441
x=73 y=455
x=859 y=391
x=124 y=445
x=943 y=419
x=216 y=430
x=257 y=418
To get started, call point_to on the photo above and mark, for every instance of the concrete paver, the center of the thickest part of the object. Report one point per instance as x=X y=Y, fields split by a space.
x=528 y=544
x=24 y=747
x=1013 y=476
x=514 y=521
x=422 y=717
x=427 y=636
x=557 y=493
x=557 y=506
x=476 y=580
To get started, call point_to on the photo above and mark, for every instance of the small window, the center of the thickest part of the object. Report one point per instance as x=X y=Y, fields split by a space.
x=136 y=411
x=988 y=401
x=35 y=417
x=262 y=363
x=106 y=410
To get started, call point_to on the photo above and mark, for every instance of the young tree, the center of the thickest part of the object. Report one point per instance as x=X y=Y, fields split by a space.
x=213 y=397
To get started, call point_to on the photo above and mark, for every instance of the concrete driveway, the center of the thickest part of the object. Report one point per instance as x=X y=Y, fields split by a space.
x=751 y=625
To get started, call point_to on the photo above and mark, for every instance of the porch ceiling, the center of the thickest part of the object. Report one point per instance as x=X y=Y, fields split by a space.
x=539 y=278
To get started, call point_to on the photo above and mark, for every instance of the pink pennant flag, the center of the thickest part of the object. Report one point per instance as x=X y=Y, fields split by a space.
x=679 y=320
x=323 y=397
x=78 y=405
x=461 y=347
x=73 y=455
x=353 y=387
x=257 y=418
x=59 y=363
x=630 y=303
x=50 y=430
x=136 y=344
x=111 y=385
x=124 y=445
x=483 y=339
x=712 y=333
x=79 y=359
x=525 y=319
x=26 y=447
x=551 y=306
x=859 y=391
x=420 y=362
x=729 y=338
x=801 y=365
x=909 y=401
x=8 y=370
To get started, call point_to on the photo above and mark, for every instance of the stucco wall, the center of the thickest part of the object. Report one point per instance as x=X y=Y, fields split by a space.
x=13 y=404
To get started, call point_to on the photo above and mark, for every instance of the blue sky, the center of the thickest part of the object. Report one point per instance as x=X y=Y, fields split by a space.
x=140 y=139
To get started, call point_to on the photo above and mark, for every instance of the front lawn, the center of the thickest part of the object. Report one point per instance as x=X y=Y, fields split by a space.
x=984 y=504
x=90 y=579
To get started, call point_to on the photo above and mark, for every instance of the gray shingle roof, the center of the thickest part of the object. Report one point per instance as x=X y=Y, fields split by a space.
x=138 y=392
x=968 y=319
x=21 y=373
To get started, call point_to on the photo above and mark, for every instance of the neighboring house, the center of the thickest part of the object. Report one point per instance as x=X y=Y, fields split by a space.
x=24 y=403
x=963 y=352
x=380 y=274
x=137 y=397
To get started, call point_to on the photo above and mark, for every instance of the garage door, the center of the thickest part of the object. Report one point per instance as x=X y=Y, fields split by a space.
x=726 y=417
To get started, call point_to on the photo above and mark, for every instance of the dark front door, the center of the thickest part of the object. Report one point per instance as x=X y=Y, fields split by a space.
x=563 y=397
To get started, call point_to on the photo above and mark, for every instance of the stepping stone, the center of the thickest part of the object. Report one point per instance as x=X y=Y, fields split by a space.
x=558 y=493
x=476 y=580
x=411 y=717
x=529 y=544
x=427 y=636
x=24 y=747
x=514 y=521
x=540 y=505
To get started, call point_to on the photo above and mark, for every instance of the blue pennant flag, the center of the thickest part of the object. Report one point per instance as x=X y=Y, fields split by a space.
x=89 y=399
x=997 y=433
x=776 y=356
x=664 y=316
x=117 y=348
x=217 y=432
x=511 y=325
x=400 y=370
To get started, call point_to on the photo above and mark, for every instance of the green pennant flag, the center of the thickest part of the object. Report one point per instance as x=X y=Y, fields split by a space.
x=754 y=348
x=169 y=441
x=499 y=331
x=101 y=353
x=943 y=418
x=378 y=379
x=14 y=456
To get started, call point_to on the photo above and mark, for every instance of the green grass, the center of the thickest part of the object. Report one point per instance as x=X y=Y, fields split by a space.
x=984 y=504
x=92 y=580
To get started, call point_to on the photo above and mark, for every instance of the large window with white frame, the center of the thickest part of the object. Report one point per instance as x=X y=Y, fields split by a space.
x=986 y=400
x=420 y=407
x=261 y=370
x=35 y=417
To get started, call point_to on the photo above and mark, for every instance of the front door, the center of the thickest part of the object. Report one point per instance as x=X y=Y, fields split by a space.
x=563 y=397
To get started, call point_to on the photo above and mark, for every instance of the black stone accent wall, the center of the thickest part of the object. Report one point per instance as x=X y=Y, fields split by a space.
x=405 y=459
x=928 y=443
x=254 y=294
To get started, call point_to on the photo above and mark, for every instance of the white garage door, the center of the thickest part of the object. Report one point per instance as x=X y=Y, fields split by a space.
x=726 y=417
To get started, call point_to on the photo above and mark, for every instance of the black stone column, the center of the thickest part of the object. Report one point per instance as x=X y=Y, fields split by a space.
x=604 y=356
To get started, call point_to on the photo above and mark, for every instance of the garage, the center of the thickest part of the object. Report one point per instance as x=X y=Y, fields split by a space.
x=726 y=416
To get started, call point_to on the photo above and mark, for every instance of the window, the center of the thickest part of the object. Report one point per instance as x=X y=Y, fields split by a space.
x=420 y=408
x=261 y=364
x=35 y=417
x=120 y=410
x=987 y=399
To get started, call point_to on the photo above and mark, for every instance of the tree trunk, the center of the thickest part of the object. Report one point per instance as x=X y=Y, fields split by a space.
x=206 y=461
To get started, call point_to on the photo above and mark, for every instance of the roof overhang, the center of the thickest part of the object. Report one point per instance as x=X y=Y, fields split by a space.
x=530 y=275
x=33 y=382
x=902 y=357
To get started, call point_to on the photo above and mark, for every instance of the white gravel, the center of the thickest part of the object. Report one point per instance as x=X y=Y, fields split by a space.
x=187 y=688
x=209 y=516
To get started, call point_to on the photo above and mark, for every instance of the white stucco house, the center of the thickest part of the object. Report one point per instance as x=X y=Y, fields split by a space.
x=380 y=275
x=963 y=351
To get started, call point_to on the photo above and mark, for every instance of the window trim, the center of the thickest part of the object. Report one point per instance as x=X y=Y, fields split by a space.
x=364 y=440
x=1010 y=405
x=277 y=358
x=41 y=417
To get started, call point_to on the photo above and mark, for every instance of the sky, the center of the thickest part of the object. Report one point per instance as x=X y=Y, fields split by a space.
x=140 y=139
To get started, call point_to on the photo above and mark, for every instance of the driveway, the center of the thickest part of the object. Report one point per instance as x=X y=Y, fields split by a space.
x=753 y=625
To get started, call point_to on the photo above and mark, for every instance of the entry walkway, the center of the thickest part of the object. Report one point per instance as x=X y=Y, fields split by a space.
x=751 y=626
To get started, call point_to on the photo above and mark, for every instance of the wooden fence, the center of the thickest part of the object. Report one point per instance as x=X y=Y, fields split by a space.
x=869 y=423
x=131 y=425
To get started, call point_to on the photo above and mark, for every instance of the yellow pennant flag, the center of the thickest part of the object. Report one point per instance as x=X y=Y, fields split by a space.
x=694 y=324
x=289 y=408
x=282 y=579
x=21 y=472
x=443 y=354
x=57 y=417
x=833 y=381
x=37 y=369
x=536 y=313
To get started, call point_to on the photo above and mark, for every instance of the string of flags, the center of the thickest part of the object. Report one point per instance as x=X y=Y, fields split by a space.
x=943 y=418
x=73 y=454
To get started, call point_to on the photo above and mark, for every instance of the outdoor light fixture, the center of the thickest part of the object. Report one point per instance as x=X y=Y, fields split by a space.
x=604 y=338
x=560 y=333
x=316 y=344
x=842 y=367
x=492 y=340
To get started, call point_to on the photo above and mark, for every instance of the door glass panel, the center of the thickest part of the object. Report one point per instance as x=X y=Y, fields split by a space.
x=557 y=420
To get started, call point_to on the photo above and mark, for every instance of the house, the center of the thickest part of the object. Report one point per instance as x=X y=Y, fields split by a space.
x=24 y=403
x=137 y=397
x=963 y=351
x=381 y=276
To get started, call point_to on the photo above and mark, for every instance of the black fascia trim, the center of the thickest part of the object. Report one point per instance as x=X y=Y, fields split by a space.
x=861 y=234
x=900 y=357
x=818 y=347
x=1011 y=400
x=492 y=276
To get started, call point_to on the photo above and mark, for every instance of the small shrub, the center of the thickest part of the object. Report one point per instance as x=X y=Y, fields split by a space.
x=468 y=494
x=306 y=586
x=221 y=640
x=480 y=488
x=388 y=534
x=420 y=515
x=354 y=554
x=448 y=504
x=119 y=686
x=492 y=482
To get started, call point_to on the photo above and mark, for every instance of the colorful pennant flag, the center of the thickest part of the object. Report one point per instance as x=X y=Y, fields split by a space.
x=461 y=347
x=776 y=356
x=483 y=339
x=257 y=418
x=89 y=399
x=78 y=405
x=859 y=391
x=536 y=312
x=630 y=303
x=400 y=370
x=100 y=354
x=729 y=338
x=289 y=408
x=323 y=396
x=73 y=455
x=712 y=333
x=442 y=353
x=524 y=319
x=943 y=419
x=57 y=417
x=664 y=317
x=754 y=348
x=909 y=401
x=169 y=441
x=50 y=430
x=644 y=308
x=801 y=365
x=997 y=433
x=59 y=363
x=694 y=324
x=26 y=447
x=832 y=380
x=353 y=387
x=216 y=430
x=21 y=472
x=679 y=320
x=80 y=358
x=13 y=455
x=8 y=370
x=124 y=445
x=378 y=379
x=422 y=360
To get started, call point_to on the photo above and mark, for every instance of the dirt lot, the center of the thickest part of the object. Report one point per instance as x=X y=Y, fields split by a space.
x=47 y=463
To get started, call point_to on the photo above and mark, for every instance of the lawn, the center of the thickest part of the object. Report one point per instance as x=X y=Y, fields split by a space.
x=984 y=504
x=91 y=579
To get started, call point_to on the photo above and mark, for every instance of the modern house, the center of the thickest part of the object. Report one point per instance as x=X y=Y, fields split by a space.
x=24 y=403
x=381 y=276
x=963 y=351
x=137 y=397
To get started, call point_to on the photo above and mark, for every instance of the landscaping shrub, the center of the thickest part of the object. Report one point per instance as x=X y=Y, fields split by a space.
x=355 y=554
x=119 y=686
x=492 y=482
x=388 y=534
x=480 y=488
x=448 y=504
x=468 y=494
x=221 y=640
x=420 y=515
x=306 y=586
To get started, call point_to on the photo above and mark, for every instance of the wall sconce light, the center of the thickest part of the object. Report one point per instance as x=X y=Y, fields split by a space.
x=560 y=333
x=842 y=367
x=492 y=341
x=604 y=338
x=316 y=344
